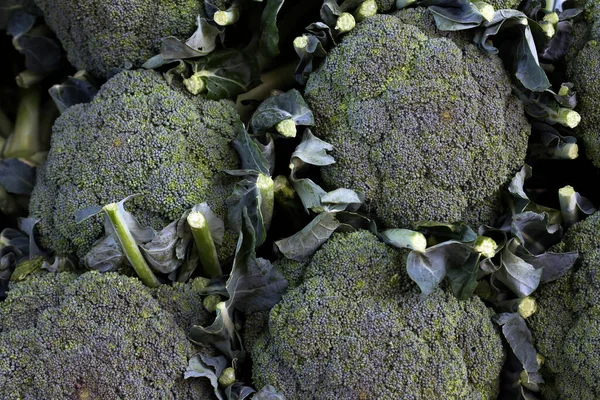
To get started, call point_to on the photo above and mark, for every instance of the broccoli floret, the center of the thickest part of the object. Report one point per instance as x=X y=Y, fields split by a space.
x=357 y=327
x=138 y=135
x=424 y=125
x=98 y=336
x=100 y=35
x=566 y=328
x=583 y=70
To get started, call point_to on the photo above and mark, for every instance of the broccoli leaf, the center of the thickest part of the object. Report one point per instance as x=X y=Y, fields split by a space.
x=238 y=391
x=275 y=109
x=160 y=252
x=311 y=150
x=342 y=199
x=251 y=155
x=453 y=15
x=441 y=231
x=27 y=226
x=463 y=278
x=201 y=366
x=16 y=176
x=519 y=276
x=553 y=265
x=204 y=40
x=76 y=90
x=43 y=55
x=269 y=35
x=535 y=232
x=227 y=73
x=559 y=44
x=519 y=338
x=304 y=243
x=527 y=67
x=246 y=195
x=268 y=392
x=105 y=255
x=428 y=268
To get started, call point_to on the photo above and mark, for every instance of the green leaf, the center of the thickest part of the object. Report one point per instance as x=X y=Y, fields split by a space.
x=553 y=265
x=303 y=244
x=238 y=391
x=161 y=253
x=105 y=255
x=269 y=33
x=204 y=40
x=454 y=15
x=268 y=392
x=526 y=65
x=251 y=155
x=16 y=176
x=341 y=200
x=311 y=150
x=77 y=89
x=227 y=73
x=442 y=231
x=140 y=234
x=519 y=276
x=286 y=106
x=518 y=336
x=201 y=366
x=310 y=193
x=429 y=268
x=222 y=333
x=463 y=278
x=535 y=232
x=246 y=195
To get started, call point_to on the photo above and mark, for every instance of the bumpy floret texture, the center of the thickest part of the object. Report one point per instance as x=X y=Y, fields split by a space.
x=358 y=328
x=583 y=70
x=566 y=328
x=424 y=125
x=97 y=336
x=101 y=35
x=138 y=136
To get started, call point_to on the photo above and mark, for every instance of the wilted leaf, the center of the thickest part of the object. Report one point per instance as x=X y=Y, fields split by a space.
x=286 y=106
x=304 y=243
x=105 y=255
x=519 y=276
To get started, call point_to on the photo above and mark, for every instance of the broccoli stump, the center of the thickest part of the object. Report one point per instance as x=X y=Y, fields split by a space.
x=357 y=327
x=138 y=136
x=426 y=126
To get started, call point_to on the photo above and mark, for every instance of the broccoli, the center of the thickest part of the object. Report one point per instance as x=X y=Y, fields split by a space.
x=583 y=70
x=101 y=35
x=98 y=336
x=357 y=327
x=426 y=126
x=138 y=135
x=566 y=328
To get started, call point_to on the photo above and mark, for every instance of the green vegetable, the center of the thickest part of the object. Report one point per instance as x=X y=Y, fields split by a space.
x=357 y=326
x=204 y=244
x=425 y=126
x=138 y=136
x=99 y=336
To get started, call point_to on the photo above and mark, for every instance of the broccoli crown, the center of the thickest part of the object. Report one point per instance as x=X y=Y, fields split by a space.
x=138 y=135
x=357 y=328
x=424 y=125
x=583 y=70
x=100 y=35
x=504 y=4
x=97 y=336
x=566 y=328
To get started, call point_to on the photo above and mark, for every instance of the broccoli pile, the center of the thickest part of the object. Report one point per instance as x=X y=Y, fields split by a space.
x=583 y=70
x=424 y=125
x=99 y=36
x=356 y=327
x=566 y=328
x=98 y=336
x=138 y=136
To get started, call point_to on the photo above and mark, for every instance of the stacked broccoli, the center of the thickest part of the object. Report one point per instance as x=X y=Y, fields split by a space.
x=98 y=336
x=566 y=328
x=356 y=327
x=138 y=136
x=583 y=70
x=101 y=35
x=424 y=125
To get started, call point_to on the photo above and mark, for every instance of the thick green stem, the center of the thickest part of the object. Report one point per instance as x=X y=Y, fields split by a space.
x=267 y=195
x=227 y=17
x=130 y=247
x=204 y=244
x=564 y=151
x=405 y=239
x=525 y=306
x=345 y=23
x=486 y=246
x=286 y=128
x=550 y=5
x=25 y=139
x=27 y=79
x=367 y=9
x=568 y=206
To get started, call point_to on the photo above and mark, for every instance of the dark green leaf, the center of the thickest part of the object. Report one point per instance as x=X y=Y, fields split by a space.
x=215 y=224
x=342 y=199
x=303 y=244
x=16 y=176
x=269 y=35
x=76 y=90
x=27 y=226
x=553 y=265
x=20 y=23
x=559 y=44
x=246 y=195
x=9 y=8
x=329 y=12
x=201 y=366
x=227 y=73
x=463 y=278
x=88 y=212
x=311 y=150
x=251 y=155
x=204 y=40
x=173 y=49
x=535 y=232
x=238 y=391
x=519 y=338
x=526 y=65
x=43 y=55
x=222 y=333
x=442 y=231
x=273 y=110
x=268 y=392
x=105 y=255
x=140 y=234
x=519 y=276
x=454 y=15
x=160 y=252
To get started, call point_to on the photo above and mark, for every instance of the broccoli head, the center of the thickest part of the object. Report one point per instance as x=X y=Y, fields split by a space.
x=138 y=135
x=566 y=328
x=357 y=328
x=425 y=125
x=100 y=35
x=98 y=336
x=583 y=70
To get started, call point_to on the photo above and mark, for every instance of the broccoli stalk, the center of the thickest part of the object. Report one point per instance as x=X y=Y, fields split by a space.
x=526 y=306
x=25 y=139
x=204 y=244
x=229 y=16
x=405 y=239
x=266 y=187
x=6 y=125
x=286 y=128
x=486 y=246
x=367 y=9
x=567 y=198
x=345 y=23
x=564 y=151
x=564 y=116
x=486 y=10
x=28 y=78
x=130 y=247
x=227 y=377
